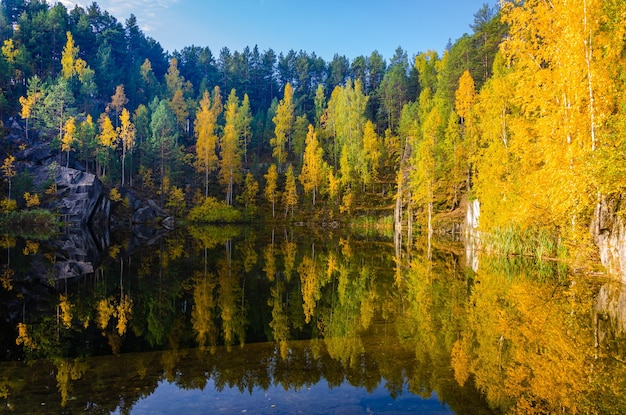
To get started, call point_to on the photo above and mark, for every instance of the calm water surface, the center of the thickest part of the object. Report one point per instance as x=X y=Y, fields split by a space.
x=282 y=321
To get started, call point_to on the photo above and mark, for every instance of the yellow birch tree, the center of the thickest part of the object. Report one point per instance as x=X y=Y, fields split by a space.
x=271 y=187
x=69 y=138
x=283 y=121
x=312 y=172
x=68 y=57
x=230 y=152
x=206 y=138
x=126 y=133
x=290 y=194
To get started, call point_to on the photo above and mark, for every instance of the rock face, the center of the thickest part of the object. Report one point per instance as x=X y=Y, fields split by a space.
x=84 y=211
x=472 y=234
x=82 y=197
x=609 y=234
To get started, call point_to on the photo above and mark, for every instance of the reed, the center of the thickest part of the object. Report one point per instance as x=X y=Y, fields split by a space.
x=538 y=243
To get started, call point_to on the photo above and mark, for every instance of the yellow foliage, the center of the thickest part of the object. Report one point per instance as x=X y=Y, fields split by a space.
x=7 y=278
x=27 y=106
x=312 y=172
x=52 y=189
x=65 y=311
x=105 y=311
x=114 y=251
x=465 y=96
x=108 y=136
x=204 y=307
x=8 y=205
x=288 y=250
x=271 y=187
x=333 y=186
x=269 y=259
x=68 y=57
x=283 y=121
x=69 y=135
x=290 y=196
x=115 y=195
x=460 y=363
x=23 y=337
x=124 y=311
x=176 y=201
x=9 y=51
x=8 y=167
x=32 y=200
x=127 y=133
x=310 y=286
x=205 y=127
x=31 y=247
x=346 y=203
x=147 y=180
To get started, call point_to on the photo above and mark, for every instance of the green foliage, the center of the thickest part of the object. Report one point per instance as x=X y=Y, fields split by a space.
x=40 y=219
x=176 y=201
x=212 y=210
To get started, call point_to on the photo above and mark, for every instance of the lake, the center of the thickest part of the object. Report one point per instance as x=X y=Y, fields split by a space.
x=283 y=320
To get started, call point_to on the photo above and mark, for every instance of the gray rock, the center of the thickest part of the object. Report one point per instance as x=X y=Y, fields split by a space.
x=609 y=234
x=82 y=197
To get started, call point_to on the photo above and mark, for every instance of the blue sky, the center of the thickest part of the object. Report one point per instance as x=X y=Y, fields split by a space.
x=326 y=27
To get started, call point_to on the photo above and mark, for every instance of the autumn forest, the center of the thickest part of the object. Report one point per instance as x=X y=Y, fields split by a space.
x=318 y=218
x=524 y=115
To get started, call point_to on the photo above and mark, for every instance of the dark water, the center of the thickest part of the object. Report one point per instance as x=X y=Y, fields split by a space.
x=282 y=321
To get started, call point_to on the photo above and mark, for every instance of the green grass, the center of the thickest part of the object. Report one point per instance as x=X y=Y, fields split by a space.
x=371 y=225
x=531 y=242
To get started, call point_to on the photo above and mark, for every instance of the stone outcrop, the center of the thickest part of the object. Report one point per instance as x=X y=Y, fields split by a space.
x=82 y=199
x=609 y=234
x=472 y=234
x=84 y=211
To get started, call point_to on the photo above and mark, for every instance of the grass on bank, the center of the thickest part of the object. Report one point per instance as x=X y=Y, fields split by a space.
x=36 y=223
x=370 y=225
x=531 y=242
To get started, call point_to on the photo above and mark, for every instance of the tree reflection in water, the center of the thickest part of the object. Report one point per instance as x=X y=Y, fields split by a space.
x=218 y=309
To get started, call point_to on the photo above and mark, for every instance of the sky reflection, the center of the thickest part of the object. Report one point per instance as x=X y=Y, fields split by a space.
x=168 y=398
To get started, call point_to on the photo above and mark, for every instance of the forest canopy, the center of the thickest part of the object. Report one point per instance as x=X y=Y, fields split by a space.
x=524 y=114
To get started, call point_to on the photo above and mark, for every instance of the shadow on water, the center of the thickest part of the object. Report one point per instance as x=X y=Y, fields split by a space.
x=286 y=320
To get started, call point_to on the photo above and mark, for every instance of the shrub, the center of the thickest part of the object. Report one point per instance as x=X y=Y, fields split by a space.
x=32 y=200
x=115 y=195
x=176 y=201
x=8 y=205
x=212 y=210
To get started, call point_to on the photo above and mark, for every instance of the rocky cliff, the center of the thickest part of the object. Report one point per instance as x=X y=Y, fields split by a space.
x=609 y=234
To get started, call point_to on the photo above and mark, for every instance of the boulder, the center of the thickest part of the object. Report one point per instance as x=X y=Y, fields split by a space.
x=609 y=233
x=36 y=154
x=82 y=199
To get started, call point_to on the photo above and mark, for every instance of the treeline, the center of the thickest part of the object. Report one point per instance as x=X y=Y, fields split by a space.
x=523 y=114
x=115 y=104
